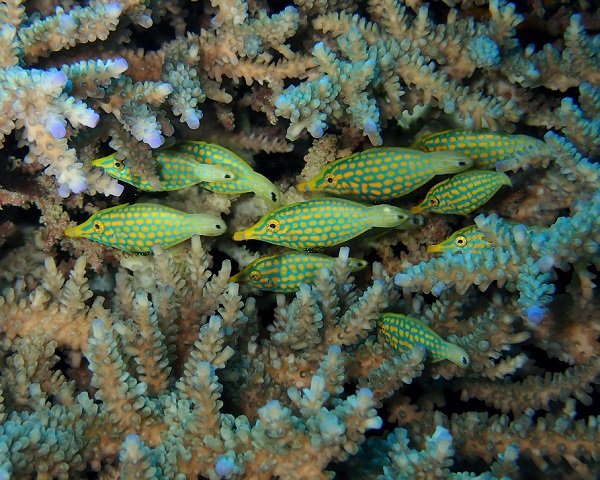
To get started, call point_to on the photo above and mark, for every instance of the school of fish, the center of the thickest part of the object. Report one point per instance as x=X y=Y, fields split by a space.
x=374 y=176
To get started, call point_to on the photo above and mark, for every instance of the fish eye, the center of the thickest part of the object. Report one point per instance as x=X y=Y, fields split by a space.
x=462 y=164
x=273 y=225
x=401 y=217
x=98 y=226
x=227 y=175
x=118 y=165
x=255 y=275
x=330 y=179
x=461 y=241
x=218 y=226
x=464 y=360
x=434 y=202
x=273 y=196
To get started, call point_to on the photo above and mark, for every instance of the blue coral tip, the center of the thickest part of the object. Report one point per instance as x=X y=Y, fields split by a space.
x=535 y=314
x=402 y=280
x=224 y=466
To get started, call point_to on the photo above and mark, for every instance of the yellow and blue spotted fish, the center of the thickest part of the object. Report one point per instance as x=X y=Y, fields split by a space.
x=483 y=146
x=135 y=228
x=284 y=273
x=175 y=171
x=246 y=179
x=381 y=174
x=462 y=193
x=467 y=238
x=324 y=222
x=403 y=333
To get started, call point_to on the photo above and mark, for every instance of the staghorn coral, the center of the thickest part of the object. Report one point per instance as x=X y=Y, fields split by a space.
x=117 y=365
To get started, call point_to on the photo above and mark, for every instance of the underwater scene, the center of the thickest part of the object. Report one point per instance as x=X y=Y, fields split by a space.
x=303 y=239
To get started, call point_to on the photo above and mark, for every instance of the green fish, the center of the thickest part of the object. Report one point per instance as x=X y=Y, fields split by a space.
x=135 y=228
x=246 y=179
x=324 y=222
x=484 y=147
x=463 y=193
x=284 y=273
x=175 y=171
x=381 y=174
x=403 y=333
x=464 y=239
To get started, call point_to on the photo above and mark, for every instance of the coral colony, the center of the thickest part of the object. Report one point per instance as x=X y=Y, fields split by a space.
x=302 y=240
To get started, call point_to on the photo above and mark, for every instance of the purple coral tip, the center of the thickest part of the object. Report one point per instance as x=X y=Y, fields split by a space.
x=90 y=119
x=58 y=78
x=316 y=130
x=370 y=126
x=153 y=139
x=57 y=129
x=63 y=191
x=120 y=65
x=193 y=121
x=78 y=185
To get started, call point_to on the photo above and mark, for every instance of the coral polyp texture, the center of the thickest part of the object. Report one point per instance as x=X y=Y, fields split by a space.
x=461 y=342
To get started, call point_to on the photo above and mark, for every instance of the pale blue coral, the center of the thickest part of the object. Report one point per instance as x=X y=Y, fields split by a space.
x=342 y=86
x=484 y=51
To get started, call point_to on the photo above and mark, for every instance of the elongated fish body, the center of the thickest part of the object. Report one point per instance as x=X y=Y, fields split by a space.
x=284 y=273
x=483 y=146
x=467 y=238
x=324 y=222
x=462 y=193
x=246 y=179
x=135 y=228
x=381 y=174
x=403 y=333
x=175 y=171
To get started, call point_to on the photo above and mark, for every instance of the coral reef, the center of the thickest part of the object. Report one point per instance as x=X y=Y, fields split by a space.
x=121 y=365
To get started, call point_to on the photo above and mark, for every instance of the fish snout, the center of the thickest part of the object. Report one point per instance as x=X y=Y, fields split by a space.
x=303 y=187
x=241 y=235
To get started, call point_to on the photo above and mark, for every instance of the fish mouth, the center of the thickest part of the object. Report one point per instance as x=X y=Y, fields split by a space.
x=416 y=209
x=303 y=187
x=243 y=235
x=70 y=232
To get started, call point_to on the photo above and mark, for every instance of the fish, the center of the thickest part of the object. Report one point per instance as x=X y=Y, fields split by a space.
x=324 y=222
x=484 y=147
x=136 y=228
x=284 y=273
x=246 y=179
x=403 y=333
x=462 y=193
x=382 y=174
x=470 y=238
x=464 y=239
x=175 y=171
